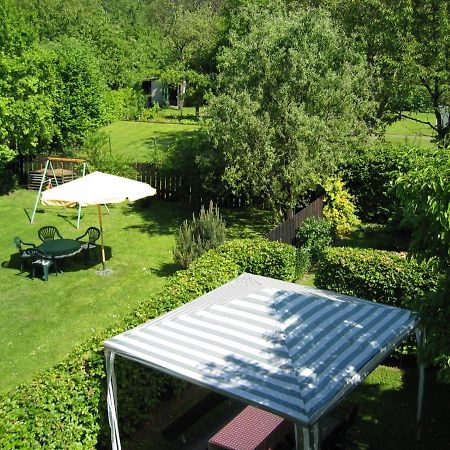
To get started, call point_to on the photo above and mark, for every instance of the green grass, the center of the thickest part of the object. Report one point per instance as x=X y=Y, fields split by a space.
x=41 y=322
x=411 y=132
x=143 y=141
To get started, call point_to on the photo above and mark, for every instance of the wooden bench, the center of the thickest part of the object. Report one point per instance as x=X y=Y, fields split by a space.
x=252 y=429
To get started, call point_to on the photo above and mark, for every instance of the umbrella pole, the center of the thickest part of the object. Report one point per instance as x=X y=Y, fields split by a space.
x=104 y=271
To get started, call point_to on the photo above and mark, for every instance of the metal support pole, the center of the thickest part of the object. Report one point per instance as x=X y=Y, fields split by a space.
x=420 y=337
x=111 y=394
x=40 y=190
x=79 y=206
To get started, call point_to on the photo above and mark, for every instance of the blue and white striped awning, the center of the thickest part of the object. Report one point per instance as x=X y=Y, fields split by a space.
x=289 y=349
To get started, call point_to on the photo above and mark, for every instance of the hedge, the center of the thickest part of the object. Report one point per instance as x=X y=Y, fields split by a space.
x=378 y=275
x=65 y=406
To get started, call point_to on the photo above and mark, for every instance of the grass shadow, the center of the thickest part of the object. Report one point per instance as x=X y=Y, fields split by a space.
x=160 y=217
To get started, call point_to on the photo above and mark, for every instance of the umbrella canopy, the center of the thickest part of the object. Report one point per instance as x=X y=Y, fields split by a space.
x=97 y=188
x=292 y=350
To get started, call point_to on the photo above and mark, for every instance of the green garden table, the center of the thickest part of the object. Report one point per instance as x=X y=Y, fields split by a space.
x=60 y=248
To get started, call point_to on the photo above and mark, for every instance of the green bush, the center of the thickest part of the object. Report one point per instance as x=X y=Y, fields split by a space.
x=303 y=261
x=65 y=407
x=96 y=150
x=262 y=257
x=314 y=235
x=194 y=238
x=370 y=175
x=8 y=181
x=149 y=114
x=116 y=102
x=339 y=209
x=378 y=275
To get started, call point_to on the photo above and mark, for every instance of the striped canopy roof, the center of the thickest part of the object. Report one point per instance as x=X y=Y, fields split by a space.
x=286 y=348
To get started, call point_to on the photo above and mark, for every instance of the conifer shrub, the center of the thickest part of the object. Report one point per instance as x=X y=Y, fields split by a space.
x=195 y=237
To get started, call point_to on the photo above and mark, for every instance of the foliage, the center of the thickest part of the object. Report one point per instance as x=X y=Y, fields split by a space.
x=262 y=257
x=303 y=261
x=313 y=236
x=339 y=209
x=79 y=107
x=28 y=83
x=425 y=192
x=202 y=233
x=65 y=407
x=151 y=113
x=370 y=175
x=292 y=95
x=8 y=181
x=95 y=150
x=406 y=44
x=378 y=275
x=119 y=31
x=192 y=34
x=116 y=104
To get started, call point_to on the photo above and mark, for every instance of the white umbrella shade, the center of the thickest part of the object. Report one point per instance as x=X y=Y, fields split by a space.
x=97 y=188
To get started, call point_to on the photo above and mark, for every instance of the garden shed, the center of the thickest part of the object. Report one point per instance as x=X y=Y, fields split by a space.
x=285 y=348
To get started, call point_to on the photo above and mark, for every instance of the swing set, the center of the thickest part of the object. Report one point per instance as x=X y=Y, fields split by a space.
x=49 y=170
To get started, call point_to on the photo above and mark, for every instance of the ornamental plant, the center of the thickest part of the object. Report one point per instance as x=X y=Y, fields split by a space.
x=339 y=208
x=205 y=232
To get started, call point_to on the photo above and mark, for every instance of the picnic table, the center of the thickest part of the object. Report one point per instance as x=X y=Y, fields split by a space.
x=252 y=429
x=60 y=248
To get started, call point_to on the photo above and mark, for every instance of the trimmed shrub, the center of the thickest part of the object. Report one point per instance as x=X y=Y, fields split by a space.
x=378 y=275
x=65 y=407
x=194 y=238
x=314 y=235
x=262 y=257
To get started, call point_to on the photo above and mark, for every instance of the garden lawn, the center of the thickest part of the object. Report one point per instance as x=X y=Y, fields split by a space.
x=41 y=322
x=143 y=141
x=410 y=132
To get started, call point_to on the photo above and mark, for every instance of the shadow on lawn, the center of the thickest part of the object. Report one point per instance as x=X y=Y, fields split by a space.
x=387 y=417
x=167 y=138
x=76 y=263
x=160 y=217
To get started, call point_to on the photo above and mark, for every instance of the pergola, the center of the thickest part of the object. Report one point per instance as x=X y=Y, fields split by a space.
x=289 y=349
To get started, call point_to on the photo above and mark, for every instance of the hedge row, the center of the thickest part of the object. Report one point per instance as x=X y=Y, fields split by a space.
x=378 y=275
x=65 y=407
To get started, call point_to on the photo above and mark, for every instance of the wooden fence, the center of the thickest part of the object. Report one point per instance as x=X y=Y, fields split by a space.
x=172 y=186
x=285 y=231
x=169 y=185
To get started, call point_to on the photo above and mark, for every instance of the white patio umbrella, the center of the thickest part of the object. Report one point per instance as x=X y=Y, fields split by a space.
x=97 y=188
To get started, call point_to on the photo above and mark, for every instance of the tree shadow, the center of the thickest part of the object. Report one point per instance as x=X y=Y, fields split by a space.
x=160 y=217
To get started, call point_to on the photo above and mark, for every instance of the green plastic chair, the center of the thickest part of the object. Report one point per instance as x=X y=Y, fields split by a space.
x=39 y=258
x=23 y=256
x=93 y=235
x=48 y=233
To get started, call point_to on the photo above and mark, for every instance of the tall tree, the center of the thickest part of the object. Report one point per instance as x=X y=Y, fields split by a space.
x=293 y=96
x=27 y=87
x=407 y=45
x=192 y=33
